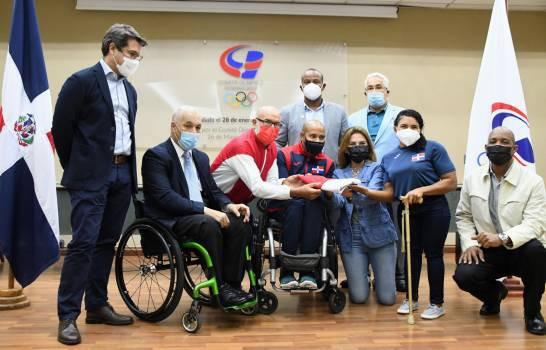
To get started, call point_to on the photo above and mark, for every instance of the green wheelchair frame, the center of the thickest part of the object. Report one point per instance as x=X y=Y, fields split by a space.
x=190 y=319
x=152 y=272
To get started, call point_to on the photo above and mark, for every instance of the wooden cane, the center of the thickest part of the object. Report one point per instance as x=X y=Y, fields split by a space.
x=406 y=238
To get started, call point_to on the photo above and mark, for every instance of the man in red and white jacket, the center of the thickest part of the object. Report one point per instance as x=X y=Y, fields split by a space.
x=247 y=166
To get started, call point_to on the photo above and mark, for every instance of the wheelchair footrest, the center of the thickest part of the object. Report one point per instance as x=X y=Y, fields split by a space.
x=245 y=305
x=300 y=262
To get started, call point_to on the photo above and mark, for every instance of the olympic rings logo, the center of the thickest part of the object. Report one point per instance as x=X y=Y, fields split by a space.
x=240 y=98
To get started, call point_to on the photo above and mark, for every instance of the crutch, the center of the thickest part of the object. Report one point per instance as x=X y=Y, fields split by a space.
x=406 y=247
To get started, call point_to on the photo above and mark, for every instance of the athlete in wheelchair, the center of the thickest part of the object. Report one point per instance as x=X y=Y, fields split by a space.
x=184 y=207
x=301 y=226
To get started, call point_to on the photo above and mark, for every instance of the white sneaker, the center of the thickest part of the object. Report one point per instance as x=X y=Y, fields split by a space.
x=404 y=307
x=289 y=282
x=433 y=312
x=308 y=282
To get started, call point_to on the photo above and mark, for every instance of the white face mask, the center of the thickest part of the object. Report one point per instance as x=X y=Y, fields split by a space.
x=312 y=91
x=408 y=136
x=128 y=67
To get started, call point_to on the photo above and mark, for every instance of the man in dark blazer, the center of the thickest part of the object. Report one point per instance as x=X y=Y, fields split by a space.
x=179 y=191
x=93 y=130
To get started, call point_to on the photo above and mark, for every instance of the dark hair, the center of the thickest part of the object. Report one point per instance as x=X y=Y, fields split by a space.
x=421 y=143
x=343 y=160
x=313 y=70
x=119 y=34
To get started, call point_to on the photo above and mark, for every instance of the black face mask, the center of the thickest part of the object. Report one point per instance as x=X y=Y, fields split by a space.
x=313 y=147
x=358 y=153
x=499 y=155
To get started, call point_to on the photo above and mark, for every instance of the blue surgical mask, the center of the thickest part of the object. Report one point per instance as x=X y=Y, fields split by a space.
x=376 y=99
x=188 y=140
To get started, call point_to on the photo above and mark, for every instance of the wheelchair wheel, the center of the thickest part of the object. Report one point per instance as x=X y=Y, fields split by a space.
x=191 y=322
x=336 y=302
x=195 y=272
x=149 y=270
x=267 y=302
x=250 y=311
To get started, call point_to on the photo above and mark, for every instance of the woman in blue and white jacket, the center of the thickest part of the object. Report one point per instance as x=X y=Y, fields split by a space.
x=365 y=230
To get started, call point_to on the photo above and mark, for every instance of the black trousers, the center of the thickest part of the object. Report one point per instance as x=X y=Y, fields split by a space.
x=429 y=223
x=527 y=262
x=97 y=220
x=226 y=247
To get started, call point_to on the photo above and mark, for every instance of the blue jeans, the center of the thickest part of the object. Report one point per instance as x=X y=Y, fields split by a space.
x=383 y=261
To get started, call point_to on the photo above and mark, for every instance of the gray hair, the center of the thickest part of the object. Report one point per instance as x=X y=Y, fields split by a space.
x=381 y=76
x=119 y=34
x=181 y=111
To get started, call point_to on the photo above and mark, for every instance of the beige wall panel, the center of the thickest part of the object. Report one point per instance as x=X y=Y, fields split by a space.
x=432 y=56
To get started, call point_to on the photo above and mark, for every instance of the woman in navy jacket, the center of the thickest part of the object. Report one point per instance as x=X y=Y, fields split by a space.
x=365 y=231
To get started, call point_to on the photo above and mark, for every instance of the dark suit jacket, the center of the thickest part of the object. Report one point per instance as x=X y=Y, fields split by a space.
x=84 y=129
x=166 y=192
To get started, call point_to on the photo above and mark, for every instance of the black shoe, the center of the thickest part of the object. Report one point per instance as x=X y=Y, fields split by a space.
x=107 y=315
x=242 y=293
x=536 y=325
x=401 y=286
x=230 y=296
x=68 y=333
x=489 y=309
x=344 y=284
x=237 y=288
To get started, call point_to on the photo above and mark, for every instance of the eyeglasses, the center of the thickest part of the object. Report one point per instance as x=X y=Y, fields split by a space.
x=269 y=123
x=375 y=88
x=132 y=55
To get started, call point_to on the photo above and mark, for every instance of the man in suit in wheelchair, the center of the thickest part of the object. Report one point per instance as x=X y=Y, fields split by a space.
x=180 y=193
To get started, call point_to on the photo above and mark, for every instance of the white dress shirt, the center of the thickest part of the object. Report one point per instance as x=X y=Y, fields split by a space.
x=121 y=110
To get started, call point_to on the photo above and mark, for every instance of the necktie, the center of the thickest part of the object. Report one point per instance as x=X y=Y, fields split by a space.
x=191 y=178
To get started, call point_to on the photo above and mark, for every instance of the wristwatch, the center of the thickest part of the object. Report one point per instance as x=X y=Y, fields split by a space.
x=506 y=241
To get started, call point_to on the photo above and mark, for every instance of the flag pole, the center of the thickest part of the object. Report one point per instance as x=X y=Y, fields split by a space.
x=11 y=279
x=12 y=298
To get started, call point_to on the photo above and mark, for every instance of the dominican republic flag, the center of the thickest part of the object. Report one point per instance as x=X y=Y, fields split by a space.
x=29 y=224
x=498 y=99
x=418 y=157
x=318 y=170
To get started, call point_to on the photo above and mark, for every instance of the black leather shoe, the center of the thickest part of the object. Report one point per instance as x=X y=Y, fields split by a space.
x=68 y=333
x=107 y=315
x=401 y=286
x=490 y=309
x=230 y=296
x=344 y=284
x=237 y=288
x=536 y=325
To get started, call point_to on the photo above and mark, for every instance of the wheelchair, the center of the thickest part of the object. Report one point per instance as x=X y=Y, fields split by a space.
x=323 y=264
x=153 y=269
